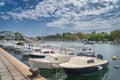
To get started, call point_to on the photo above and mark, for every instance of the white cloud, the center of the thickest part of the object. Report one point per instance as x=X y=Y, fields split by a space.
x=97 y=24
x=72 y=12
x=66 y=8
x=4 y=17
x=2 y=3
x=59 y=23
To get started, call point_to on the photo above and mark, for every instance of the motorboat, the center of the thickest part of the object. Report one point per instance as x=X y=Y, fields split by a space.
x=67 y=51
x=85 y=51
x=46 y=49
x=88 y=42
x=83 y=65
x=26 y=52
x=42 y=53
x=7 y=44
x=50 y=61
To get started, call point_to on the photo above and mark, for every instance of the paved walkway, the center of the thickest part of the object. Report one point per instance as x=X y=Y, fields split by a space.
x=13 y=69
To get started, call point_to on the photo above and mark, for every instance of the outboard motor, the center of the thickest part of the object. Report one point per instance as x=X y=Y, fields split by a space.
x=99 y=56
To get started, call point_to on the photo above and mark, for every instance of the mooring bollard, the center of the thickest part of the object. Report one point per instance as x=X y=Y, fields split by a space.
x=34 y=71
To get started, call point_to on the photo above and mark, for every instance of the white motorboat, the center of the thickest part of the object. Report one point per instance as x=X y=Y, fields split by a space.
x=44 y=50
x=26 y=52
x=50 y=61
x=42 y=53
x=85 y=51
x=33 y=50
x=83 y=65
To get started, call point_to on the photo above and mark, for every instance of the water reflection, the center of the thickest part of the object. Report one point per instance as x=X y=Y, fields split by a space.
x=24 y=59
x=60 y=75
x=53 y=74
x=93 y=76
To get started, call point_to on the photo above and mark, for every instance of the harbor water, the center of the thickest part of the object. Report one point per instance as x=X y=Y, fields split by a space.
x=107 y=50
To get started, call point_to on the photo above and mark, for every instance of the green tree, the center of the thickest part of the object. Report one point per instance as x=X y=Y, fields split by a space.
x=58 y=35
x=67 y=35
x=80 y=35
x=1 y=37
x=102 y=36
x=19 y=36
x=93 y=36
x=115 y=35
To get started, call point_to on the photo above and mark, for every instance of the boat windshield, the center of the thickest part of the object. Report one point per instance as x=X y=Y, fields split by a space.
x=90 y=61
x=46 y=52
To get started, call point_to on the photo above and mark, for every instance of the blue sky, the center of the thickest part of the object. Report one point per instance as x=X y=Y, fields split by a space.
x=45 y=17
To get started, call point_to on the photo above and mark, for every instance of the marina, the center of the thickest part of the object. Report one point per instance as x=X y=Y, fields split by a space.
x=59 y=73
x=59 y=39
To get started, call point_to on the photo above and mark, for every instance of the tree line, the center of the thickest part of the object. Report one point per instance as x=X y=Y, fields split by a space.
x=79 y=36
x=93 y=36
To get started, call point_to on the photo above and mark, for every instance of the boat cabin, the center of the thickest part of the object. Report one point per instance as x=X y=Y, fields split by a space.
x=81 y=60
x=47 y=51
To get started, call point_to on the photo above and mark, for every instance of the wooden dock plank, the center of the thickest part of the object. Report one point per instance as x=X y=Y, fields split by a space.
x=14 y=69
x=7 y=72
x=4 y=74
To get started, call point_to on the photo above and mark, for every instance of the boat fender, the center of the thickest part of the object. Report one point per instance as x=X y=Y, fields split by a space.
x=99 y=67
x=114 y=57
x=34 y=71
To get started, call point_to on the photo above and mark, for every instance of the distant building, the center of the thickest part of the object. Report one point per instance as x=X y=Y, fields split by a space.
x=7 y=35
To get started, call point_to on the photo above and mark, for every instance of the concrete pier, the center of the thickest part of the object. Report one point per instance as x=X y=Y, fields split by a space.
x=13 y=69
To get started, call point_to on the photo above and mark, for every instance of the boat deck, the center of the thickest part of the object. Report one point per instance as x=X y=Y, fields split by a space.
x=13 y=69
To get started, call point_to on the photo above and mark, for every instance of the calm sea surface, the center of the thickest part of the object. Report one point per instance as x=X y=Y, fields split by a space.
x=107 y=50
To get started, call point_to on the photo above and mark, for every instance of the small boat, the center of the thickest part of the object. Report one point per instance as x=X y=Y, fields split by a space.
x=50 y=61
x=85 y=51
x=88 y=42
x=26 y=52
x=44 y=50
x=29 y=50
x=42 y=53
x=83 y=65
x=18 y=48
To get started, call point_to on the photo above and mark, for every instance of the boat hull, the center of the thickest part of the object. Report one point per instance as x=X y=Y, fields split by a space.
x=42 y=65
x=88 y=70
